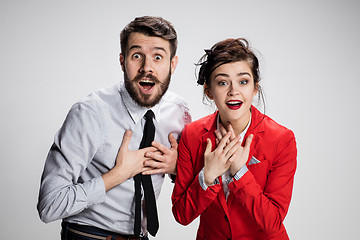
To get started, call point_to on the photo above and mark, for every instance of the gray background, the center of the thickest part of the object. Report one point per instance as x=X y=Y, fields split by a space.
x=52 y=53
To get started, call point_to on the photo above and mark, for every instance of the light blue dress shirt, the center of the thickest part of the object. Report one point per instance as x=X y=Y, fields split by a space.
x=86 y=147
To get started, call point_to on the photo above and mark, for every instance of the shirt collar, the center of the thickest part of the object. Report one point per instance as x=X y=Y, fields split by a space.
x=242 y=134
x=135 y=111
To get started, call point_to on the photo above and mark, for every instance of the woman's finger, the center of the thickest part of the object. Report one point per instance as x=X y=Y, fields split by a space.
x=230 y=129
x=231 y=145
x=208 y=147
x=223 y=142
x=248 y=143
x=222 y=129
x=232 y=150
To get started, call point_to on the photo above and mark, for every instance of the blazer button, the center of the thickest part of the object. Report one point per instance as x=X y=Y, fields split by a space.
x=226 y=218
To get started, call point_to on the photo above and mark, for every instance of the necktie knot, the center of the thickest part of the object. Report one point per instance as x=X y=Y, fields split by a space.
x=149 y=115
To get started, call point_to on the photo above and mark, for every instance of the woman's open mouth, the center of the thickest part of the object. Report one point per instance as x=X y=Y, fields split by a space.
x=234 y=104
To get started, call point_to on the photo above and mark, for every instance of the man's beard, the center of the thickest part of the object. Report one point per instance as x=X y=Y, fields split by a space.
x=144 y=99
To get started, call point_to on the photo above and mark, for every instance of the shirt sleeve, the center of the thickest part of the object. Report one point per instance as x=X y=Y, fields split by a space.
x=202 y=180
x=62 y=192
x=186 y=119
x=241 y=172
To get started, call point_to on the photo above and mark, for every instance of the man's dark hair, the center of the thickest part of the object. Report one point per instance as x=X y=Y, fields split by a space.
x=150 y=26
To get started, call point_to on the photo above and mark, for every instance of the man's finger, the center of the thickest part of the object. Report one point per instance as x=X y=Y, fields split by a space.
x=160 y=147
x=156 y=156
x=126 y=140
x=152 y=171
x=153 y=164
x=173 y=142
x=148 y=150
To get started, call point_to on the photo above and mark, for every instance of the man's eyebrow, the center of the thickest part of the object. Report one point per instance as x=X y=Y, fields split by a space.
x=160 y=48
x=139 y=47
x=134 y=46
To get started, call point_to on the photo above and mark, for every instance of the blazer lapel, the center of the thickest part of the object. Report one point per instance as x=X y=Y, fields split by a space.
x=210 y=127
x=256 y=128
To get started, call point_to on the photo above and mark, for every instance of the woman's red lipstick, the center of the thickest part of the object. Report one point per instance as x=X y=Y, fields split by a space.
x=234 y=104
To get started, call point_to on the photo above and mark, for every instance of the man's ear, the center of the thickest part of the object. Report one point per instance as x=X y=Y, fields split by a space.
x=173 y=64
x=122 y=61
x=207 y=91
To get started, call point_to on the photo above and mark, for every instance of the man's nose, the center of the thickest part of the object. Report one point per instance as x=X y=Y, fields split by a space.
x=146 y=65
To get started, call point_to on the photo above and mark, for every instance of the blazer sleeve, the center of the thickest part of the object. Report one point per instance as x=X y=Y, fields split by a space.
x=268 y=206
x=189 y=198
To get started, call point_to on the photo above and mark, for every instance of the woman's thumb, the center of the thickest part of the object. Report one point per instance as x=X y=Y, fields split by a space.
x=208 y=146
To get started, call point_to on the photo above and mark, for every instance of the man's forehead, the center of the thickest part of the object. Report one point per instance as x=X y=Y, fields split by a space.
x=144 y=42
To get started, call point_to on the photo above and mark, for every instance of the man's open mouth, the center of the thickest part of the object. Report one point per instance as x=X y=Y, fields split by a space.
x=146 y=84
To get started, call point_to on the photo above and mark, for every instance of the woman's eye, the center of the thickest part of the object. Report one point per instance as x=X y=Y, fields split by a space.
x=222 y=83
x=158 y=57
x=244 y=82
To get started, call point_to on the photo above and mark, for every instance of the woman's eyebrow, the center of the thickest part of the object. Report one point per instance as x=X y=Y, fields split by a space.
x=221 y=75
x=244 y=73
x=227 y=75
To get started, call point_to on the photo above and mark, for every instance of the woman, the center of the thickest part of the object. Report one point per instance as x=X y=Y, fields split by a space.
x=236 y=167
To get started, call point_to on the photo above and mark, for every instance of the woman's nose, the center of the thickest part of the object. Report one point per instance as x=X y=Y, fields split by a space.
x=233 y=91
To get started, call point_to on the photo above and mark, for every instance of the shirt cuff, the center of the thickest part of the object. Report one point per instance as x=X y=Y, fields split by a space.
x=202 y=180
x=95 y=190
x=241 y=172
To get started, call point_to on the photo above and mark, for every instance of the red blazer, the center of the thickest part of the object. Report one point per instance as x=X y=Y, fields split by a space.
x=257 y=203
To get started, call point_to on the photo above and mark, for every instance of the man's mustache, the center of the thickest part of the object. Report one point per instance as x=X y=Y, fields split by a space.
x=149 y=75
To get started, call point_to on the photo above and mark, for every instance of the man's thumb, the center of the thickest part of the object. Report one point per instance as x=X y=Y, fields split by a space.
x=126 y=139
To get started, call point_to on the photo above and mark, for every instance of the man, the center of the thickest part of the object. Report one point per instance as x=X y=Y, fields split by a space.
x=88 y=181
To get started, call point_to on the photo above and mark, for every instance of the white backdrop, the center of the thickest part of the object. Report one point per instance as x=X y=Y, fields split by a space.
x=53 y=53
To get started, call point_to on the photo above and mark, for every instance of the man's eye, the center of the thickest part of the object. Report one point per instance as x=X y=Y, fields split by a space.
x=136 y=56
x=158 y=57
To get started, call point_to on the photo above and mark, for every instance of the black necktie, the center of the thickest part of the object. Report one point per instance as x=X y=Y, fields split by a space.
x=145 y=180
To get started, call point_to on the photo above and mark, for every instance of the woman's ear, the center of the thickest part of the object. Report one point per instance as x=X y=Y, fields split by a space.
x=256 y=89
x=207 y=91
